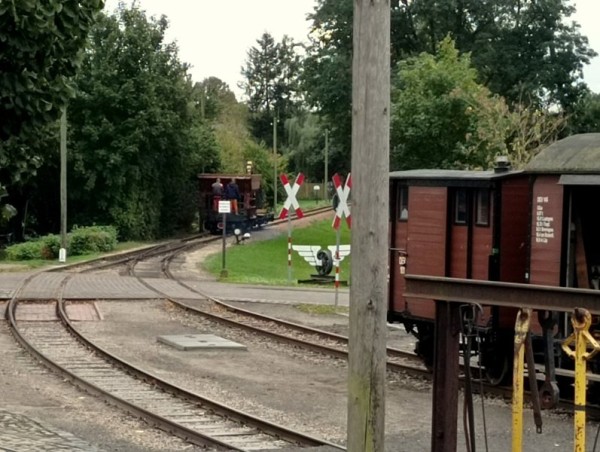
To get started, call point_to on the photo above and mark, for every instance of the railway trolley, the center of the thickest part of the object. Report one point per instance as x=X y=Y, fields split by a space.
x=251 y=213
x=538 y=226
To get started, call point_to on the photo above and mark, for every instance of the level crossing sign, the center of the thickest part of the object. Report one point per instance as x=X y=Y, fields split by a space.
x=291 y=200
x=343 y=192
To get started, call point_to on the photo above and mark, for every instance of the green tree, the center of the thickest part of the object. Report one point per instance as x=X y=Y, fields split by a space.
x=585 y=117
x=327 y=74
x=305 y=146
x=433 y=112
x=40 y=44
x=526 y=52
x=211 y=95
x=137 y=141
x=443 y=118
x=40 y=50
x=271 y=84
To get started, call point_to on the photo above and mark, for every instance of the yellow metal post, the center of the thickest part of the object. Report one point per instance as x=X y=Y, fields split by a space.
x=581 y=336
x=521 y=330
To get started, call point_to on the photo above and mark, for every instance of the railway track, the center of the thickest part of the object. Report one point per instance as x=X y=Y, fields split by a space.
x=301 y=336
x=190 y=416
x=158 y=265
x=160 y=253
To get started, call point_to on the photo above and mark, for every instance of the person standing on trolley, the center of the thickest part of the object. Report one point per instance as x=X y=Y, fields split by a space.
x=232 y=192
x=217 y=193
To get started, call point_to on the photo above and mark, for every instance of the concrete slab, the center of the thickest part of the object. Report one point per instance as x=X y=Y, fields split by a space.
x=200 y=342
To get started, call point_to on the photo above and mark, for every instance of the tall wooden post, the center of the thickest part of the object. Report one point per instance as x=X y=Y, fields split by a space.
x=63 y=186
x=370 y=200
x=275 y=164
x=326 y=180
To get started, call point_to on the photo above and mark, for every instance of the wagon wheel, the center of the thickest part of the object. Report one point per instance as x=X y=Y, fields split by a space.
x=425 y=344
x=326 y=262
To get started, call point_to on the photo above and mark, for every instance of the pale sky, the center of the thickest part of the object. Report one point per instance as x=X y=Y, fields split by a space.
x=214 y=35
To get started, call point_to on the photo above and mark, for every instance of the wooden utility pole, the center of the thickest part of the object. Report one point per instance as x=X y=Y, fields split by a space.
x=370 y=200
x=275 y=164
x=326 y=180
x=63 y=186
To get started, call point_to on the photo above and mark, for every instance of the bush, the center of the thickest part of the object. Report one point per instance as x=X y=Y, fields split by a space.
x=25 y=251
x=80 y=241
x=50 y=247
x=92 y=239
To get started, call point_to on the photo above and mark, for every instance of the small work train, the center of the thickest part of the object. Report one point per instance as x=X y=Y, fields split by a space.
x=250 y=202
x=539 y=225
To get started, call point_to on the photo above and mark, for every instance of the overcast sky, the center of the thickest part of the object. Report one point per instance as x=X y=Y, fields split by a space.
x=215 y=35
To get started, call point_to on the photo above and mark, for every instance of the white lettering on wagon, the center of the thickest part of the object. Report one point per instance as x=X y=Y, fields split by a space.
x=544 y=225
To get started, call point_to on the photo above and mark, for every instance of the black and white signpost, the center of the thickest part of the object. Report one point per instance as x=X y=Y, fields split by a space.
x=224 y=208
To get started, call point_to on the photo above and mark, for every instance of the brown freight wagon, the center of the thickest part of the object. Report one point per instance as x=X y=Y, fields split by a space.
x=537 y=226
x=456 y=224
x=565 y=226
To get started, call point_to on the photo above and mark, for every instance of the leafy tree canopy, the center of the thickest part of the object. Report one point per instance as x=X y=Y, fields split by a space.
x=211 y=96
x=40 y=43
x=271 y=84
x=586 y=115
x=40 y=49
x=443 y=118
x=137 y=139
x=433 y=111
x=527 y=52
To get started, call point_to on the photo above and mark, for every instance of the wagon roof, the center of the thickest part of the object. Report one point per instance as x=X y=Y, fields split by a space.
x=574 y=154
x=446 y=174
x=227 y=176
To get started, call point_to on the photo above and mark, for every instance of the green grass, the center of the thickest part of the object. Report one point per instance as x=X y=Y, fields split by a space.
x=10 y=266
x=306 y=204
x=322 y=309
x=265 y=262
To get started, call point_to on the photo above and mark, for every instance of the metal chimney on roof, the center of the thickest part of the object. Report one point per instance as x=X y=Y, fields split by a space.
x=502 y=164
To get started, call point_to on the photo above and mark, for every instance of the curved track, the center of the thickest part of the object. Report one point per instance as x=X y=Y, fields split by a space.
x=196 y=419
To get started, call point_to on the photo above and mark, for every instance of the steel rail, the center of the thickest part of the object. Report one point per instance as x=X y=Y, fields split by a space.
x=188 y=434
x=264 y=426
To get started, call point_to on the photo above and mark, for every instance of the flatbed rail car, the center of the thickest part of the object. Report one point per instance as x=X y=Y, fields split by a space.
x=251 y=213
x=537 y=226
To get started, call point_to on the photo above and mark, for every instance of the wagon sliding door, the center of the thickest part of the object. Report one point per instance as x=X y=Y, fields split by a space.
x=426 y=243
x=582 y=261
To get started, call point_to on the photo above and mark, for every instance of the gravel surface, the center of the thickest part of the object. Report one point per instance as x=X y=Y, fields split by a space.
x=298 y=389
x=26 y=388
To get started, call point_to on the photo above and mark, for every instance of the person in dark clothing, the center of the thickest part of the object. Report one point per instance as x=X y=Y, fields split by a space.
x=232 y=192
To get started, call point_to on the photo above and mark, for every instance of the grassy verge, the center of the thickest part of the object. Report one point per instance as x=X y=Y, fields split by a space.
x=265 y=262
x=322 y=309
x=13 y=266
